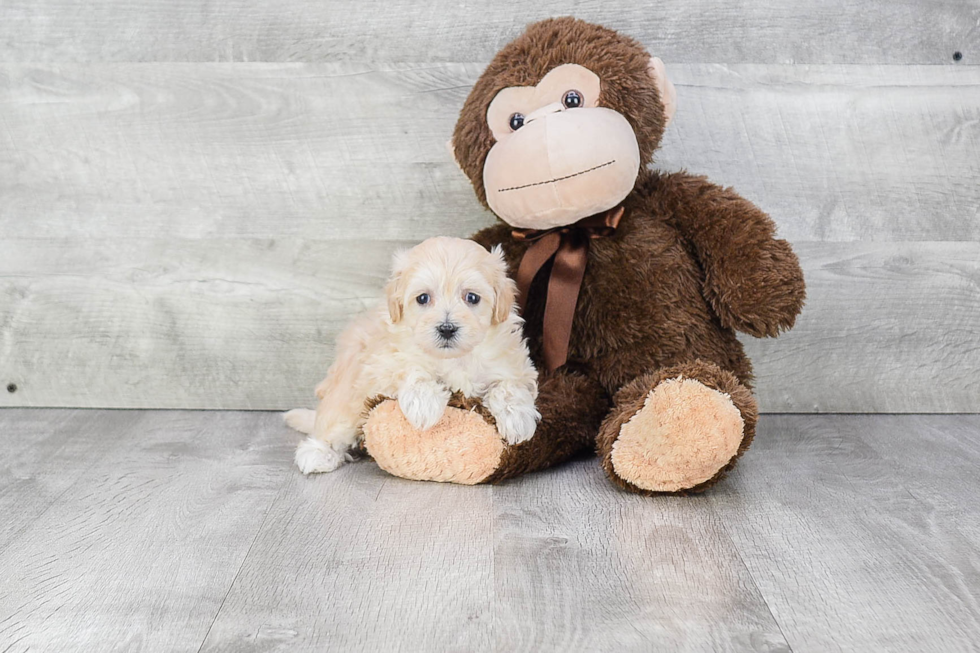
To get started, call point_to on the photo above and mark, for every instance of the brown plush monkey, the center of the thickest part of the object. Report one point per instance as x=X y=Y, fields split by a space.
x=633 y=281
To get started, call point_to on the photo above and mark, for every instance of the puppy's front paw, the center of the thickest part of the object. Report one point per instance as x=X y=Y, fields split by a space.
x=423 y=403
x=315 y=456
x=514 y=411
x=517 y=424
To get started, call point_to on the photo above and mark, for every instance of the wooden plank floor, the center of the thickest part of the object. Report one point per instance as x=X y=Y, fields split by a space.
x=191 y=531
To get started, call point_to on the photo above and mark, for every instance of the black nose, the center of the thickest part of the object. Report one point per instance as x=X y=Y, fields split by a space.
x=447 y=330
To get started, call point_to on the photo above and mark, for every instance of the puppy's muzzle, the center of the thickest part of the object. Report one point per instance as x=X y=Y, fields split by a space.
x=447 y=331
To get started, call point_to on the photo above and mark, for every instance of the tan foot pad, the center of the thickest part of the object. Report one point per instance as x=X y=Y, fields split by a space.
x=684 y=434
x=461 y=448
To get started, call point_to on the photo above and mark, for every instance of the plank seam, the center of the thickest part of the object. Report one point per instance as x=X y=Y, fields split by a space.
x=493 y=569
x=738 y=554
x=241 y=566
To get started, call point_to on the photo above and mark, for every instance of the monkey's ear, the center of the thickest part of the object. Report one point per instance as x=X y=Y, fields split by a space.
x=451 y=148
x=395 y=288
x=668 y=94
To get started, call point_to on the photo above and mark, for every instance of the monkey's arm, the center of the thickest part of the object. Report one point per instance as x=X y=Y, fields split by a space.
x=752 y=279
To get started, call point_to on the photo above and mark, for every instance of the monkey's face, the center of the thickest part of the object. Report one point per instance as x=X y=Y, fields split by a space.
x=558 y=156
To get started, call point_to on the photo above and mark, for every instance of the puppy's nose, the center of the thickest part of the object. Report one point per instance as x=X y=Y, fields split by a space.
x=447 y=330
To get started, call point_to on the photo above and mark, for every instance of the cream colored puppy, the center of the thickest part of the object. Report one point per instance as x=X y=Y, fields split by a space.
x=450 y=324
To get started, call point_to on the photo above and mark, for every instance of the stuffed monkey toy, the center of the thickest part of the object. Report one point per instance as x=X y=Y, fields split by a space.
x=632 y=281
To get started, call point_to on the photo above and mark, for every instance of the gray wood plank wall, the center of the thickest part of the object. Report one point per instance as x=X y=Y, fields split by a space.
x=195 y=197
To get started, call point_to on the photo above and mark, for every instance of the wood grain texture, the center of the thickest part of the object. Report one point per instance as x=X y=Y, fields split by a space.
x=44 y=454
x=804 y=31
x=194 y=532
x=256 y=150
x=887 y=327
x=845 y=555
x=358 y=560
x=942 y=473
x=139 y=552
x=837 y=153
x=241 y=323
x=580 y=565
x=194 y=235
x=178 y=323
x=352 y=151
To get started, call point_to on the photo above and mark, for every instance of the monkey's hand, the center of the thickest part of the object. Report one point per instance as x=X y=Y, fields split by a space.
x=759 y=292
x=753 y=280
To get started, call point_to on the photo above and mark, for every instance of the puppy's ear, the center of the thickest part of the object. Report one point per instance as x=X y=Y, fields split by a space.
x=504 y=288
x=395 y=288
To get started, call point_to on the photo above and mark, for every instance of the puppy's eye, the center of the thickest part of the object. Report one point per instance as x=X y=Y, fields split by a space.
x=422 y=299
x=572 y=100
x=472 y=298
x=517 y=121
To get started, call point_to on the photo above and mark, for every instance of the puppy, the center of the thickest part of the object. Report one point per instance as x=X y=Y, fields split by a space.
x=450 y=324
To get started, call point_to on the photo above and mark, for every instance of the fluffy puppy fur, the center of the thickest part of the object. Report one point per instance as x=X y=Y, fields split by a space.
x=450 y=324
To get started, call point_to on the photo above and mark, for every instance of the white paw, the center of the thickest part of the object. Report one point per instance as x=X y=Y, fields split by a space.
x=314 y=456
x=514 y=411
x=517 y=424
x=423 y=403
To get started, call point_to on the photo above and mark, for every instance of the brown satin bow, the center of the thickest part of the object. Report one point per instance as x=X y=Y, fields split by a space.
x=570 y=247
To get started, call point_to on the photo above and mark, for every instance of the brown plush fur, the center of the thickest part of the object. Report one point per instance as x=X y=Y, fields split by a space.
x=558 y=438
x=661 y=298
x=690 y=263
x=619 y=61
x=630 y=399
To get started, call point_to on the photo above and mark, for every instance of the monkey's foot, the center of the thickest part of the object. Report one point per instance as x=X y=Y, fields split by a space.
x=679 y=435
x=463 y=447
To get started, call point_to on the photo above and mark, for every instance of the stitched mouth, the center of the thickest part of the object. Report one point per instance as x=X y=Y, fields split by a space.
x=551 y=181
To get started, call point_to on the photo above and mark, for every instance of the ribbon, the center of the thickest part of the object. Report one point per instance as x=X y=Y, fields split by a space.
x=569 y=245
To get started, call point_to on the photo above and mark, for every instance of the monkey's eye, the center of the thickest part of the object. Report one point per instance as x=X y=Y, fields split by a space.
x=472 y=298
x=572 y=100
x=422 y=299
x=517 y=121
